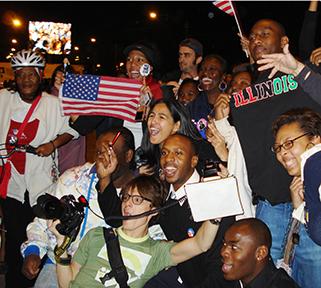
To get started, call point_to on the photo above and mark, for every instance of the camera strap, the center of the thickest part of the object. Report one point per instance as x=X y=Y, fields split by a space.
x=118 y=268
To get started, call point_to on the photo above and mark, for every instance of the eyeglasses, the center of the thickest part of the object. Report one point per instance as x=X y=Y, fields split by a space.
x=286 y=145
x=136 y=199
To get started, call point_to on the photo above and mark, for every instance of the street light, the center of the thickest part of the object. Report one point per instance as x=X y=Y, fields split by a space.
x=14 y=41
x=93 y=40
x=16 y=22
x=153 y=15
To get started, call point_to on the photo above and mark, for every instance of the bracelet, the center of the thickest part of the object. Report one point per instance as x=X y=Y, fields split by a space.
x=53 y=144
x=216 y=221
x=63 y=261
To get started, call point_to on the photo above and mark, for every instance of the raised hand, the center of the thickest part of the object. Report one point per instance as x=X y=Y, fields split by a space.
x=315 y=57
x=284 y=62
x=297 y=192
x=222 y=106
x=106 y=161
x=217 y=140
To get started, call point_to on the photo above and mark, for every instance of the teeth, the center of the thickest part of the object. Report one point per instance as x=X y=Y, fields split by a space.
x=134 y=74
x=153 y=131
x=207 y=80
x=169 y=171
x=170 y=168
x=289 y=163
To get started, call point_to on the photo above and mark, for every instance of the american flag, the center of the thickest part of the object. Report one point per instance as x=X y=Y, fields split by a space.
x=100 y=95
x=225 y=6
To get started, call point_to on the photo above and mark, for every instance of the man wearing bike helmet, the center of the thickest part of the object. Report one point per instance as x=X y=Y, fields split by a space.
x=28 y=117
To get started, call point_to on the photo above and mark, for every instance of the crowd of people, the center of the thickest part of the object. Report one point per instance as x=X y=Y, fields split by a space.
x=259 y=121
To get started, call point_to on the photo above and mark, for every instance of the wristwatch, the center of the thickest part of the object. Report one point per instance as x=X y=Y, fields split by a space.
x=216 y=221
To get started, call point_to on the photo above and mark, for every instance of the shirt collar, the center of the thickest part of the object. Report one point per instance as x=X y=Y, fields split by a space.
x=181 y=190
x=93 y=169
x=307 y=154
x=263 y=277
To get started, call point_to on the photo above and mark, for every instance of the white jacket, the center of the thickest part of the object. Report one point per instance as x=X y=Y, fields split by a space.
x=236 y=166
x=51 y=123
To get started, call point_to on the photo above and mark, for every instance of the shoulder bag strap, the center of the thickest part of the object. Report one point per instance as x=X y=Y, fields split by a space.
x=118 y=269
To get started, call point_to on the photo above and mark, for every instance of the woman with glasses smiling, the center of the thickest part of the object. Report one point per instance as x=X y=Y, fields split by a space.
x=297 y=147
x=142 y=256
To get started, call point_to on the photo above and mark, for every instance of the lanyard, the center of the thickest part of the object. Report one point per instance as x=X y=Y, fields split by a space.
x=29 y=113
x=93 y=176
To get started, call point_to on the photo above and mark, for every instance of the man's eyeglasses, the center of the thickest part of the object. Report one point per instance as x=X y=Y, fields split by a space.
x=136 y=199
x=287 y=144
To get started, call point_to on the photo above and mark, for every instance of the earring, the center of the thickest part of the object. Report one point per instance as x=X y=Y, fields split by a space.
x=222 y=86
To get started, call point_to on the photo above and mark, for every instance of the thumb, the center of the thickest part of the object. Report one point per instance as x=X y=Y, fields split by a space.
x=286 y=49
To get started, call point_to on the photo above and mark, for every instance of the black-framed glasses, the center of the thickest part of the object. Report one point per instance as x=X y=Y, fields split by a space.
x=136 y=199
x=287 y=144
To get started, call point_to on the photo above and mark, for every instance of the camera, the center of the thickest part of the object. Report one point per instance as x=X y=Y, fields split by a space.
x=140 y=157
x=210 y=168
x=68 y=210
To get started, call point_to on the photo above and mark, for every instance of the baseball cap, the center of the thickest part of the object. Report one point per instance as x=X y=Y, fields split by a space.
x=193 y=44
x=149 y=50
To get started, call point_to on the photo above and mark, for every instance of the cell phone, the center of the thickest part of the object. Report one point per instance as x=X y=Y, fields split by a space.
x=139 y=116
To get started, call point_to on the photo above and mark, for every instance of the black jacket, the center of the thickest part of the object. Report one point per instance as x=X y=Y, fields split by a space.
x=253 y=111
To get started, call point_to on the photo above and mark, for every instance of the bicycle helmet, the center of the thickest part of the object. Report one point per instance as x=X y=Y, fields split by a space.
x=27 y=58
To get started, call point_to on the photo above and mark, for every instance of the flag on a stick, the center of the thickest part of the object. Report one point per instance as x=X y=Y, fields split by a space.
x=225 y=6
x=100 y=95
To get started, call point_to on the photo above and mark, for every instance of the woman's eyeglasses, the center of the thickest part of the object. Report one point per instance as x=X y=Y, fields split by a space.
x=136 y=199
x=287 y=144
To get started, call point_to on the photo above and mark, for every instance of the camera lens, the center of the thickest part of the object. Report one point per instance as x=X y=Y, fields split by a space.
x=48 y=207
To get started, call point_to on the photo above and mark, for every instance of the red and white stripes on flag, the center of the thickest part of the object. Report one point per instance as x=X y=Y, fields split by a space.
x=100 y=95
x=225 y=6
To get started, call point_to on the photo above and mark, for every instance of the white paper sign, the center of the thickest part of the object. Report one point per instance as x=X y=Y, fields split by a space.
x=214 y=199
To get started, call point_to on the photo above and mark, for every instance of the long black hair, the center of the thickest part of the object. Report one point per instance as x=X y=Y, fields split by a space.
x=179 y=113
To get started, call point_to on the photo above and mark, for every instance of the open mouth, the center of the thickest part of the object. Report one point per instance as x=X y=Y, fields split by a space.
x=169 y=171
x=153 y=131
x=134 y=74
x=226 y=267
x=207 y=81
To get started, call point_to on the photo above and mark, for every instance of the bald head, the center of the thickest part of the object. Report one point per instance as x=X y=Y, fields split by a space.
x=267 y=36
x=245 y=251
x=279 y=27
x=255 y=229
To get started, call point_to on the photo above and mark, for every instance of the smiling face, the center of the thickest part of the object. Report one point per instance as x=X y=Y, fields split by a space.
x=178 y=160
x=265 y=38
x=28 y=82
x=290 y=159
x=134 y=61
x=210 y=74
x=239 y=255
x=160 y=124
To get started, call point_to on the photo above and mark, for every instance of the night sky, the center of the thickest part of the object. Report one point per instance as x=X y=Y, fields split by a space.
x=117 y=24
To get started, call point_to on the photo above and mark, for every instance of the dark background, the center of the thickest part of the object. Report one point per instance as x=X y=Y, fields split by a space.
x=117 y=24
